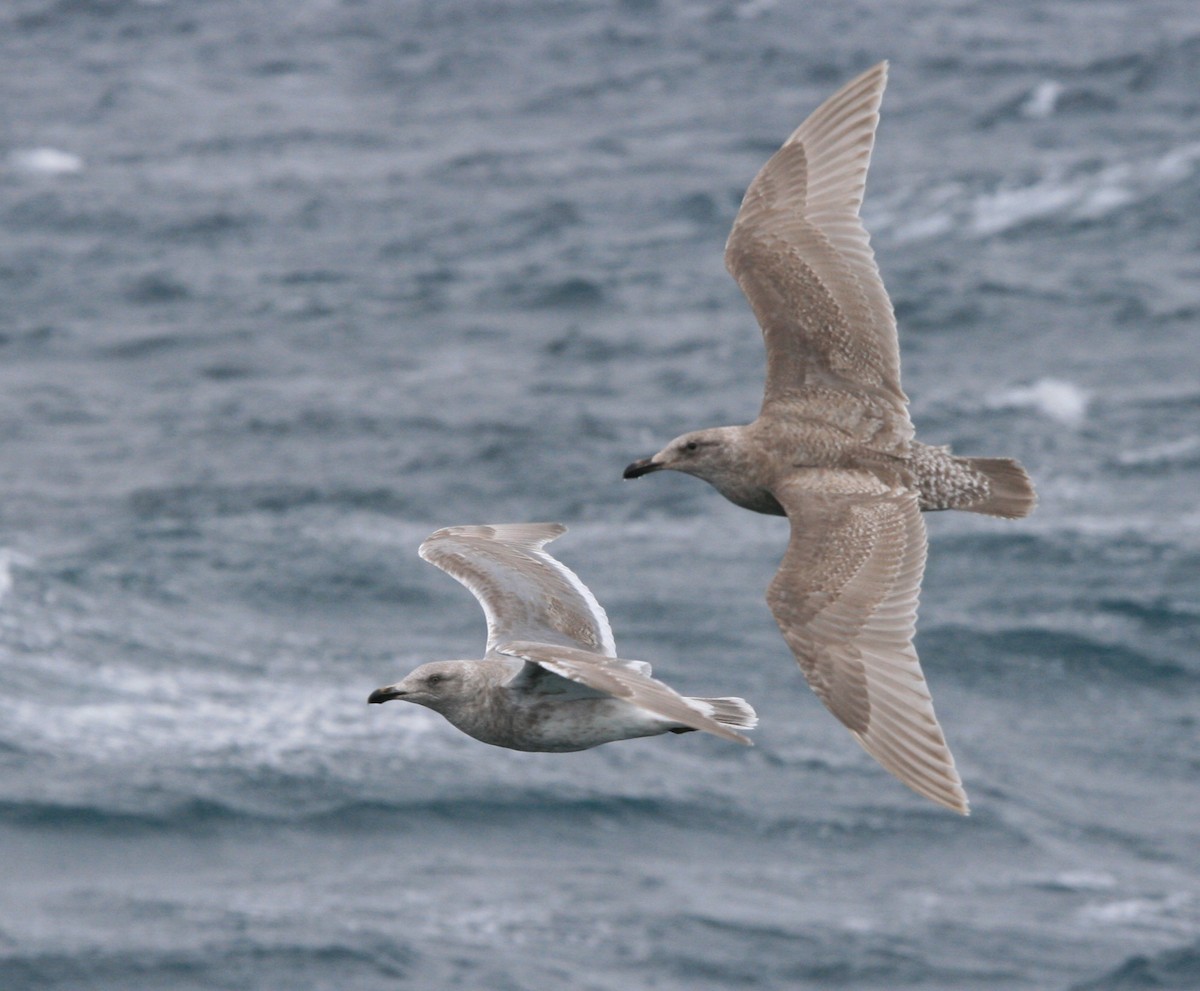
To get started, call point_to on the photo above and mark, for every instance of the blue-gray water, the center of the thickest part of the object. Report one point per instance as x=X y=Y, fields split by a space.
x=286 y=285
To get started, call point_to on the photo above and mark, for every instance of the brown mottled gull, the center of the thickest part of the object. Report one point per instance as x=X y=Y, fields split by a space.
x=833 y=449
x=549 y=679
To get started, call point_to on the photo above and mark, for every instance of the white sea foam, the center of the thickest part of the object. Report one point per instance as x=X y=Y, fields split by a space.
x=751 y=9
x=1128 y=911
x=1056 y=398
x=1165 y=453
x=1070 y=194
x=1043 y=100
x=1086 y=880
x=6 y=578
x=45 y=161
x=203 y=718
x=1005 y=208
x=8 y=558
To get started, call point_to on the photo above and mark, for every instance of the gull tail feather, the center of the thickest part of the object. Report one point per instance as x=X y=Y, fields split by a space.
x=732 y=712
x=1010 y=489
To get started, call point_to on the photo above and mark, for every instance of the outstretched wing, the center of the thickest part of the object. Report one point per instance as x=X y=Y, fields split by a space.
x=525 y=593
x=845 y=598
x=803 y=258
x=623 y=679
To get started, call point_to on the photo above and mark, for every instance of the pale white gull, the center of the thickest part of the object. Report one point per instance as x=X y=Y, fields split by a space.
x=549 y=679
x=832 y=447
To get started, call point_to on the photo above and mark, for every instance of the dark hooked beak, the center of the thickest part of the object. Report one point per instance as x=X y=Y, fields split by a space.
x=384 y=695
x=643 y=467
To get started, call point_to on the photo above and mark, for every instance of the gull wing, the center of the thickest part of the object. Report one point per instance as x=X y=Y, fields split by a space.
x=622 y=679
x=525 y=593
x=804 y=261
x=845 y=598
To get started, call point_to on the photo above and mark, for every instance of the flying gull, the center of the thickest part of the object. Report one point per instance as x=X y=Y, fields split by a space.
x=550 y=679
x=832 y=447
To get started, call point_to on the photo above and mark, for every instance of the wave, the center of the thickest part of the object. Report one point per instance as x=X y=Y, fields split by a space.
x=545 y=220
x=45 y=161
x=1071 y=882
x=1050 y=97
x=1182 y=452
x=357 y=961
x=1043 y=99
x=1058 y=399
x=186 y=814
x=535 y=293
x=211 y=228
x=527 y=809
x=48 y=211
x=1084 y=193
x=1177 y=969
x=1014 y=651
x=749 y=948
x=157 y=287
x=192 y=502
x=277 y=142
x=8 y=559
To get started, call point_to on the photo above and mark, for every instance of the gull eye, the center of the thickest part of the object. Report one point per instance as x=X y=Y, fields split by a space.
x=435 y=679
x=691 y=445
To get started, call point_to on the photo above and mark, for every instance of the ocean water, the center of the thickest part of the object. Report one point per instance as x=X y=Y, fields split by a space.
x=286 y=285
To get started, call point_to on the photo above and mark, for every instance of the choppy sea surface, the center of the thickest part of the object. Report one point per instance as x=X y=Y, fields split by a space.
x=286 y=285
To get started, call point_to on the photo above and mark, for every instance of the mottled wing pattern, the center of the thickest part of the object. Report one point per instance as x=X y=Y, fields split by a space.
x=803 y=258
x=845 y=598
x=623 y=679
x=525 y=593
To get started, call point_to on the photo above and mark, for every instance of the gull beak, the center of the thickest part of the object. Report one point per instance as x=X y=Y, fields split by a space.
x=385 y=694
x=643 y=467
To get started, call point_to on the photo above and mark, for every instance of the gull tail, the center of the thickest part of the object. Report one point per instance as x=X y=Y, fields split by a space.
x=1009 y=488
x=732 y=712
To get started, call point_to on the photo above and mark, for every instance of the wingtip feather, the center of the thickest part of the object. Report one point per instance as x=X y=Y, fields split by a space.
x=534 y=535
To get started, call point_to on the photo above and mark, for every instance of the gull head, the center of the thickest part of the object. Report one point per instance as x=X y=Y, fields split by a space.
x=703 y=453
x=435 y=685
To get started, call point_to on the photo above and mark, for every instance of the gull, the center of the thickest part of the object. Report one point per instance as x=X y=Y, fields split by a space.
x=832 y=448
x=550 y=679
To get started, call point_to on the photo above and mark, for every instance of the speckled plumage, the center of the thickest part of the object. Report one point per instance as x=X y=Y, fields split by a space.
x=832 y=447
